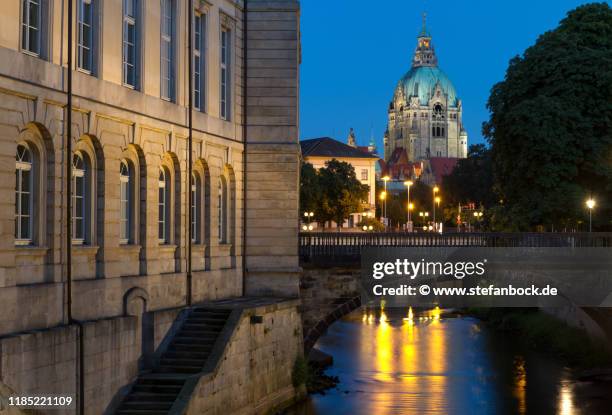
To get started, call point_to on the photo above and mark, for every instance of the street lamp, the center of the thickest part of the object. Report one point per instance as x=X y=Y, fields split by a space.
x=385 y=180
x=436 y=189
x=408 y=183
x=478 y=216
x=308 y=218
x=590 y=204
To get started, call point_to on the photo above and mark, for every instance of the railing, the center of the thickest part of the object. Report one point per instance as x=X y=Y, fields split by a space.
x=329 y=245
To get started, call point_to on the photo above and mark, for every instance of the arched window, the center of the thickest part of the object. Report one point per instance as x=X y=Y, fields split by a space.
x=163 y=206
x=126 y=181
x=196 y=208
x=222 y=211
x=438 y=123
x=24 y=195
x=80 y=198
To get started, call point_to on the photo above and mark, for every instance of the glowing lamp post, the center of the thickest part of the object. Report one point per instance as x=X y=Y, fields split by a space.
x=384 y=199
x=436 y=189
x=408 y=183
x=308 y=219
x=590 y=204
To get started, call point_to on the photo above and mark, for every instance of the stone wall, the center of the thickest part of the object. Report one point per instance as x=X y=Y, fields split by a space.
x=45 y=363
x=321 y=289
x=253 y=375
x=272 y=148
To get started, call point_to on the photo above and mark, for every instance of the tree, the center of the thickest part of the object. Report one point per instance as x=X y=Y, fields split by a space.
x=342 y=194
x=471 y=180
x=309 y=188
x=550 y=125
x=332 y=193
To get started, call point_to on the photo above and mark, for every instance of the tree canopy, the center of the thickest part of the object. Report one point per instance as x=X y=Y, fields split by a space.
x=471 y=181
x=333 y=192
x=550 y=124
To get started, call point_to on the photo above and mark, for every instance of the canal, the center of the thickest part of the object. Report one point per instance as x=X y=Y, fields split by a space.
x=423 y=362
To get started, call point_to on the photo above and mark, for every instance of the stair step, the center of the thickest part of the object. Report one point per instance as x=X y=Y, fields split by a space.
x=153 y=379
x=180 y=369
x=200 y=334
x=212 y=311
x=152 y=396
x=190 y=347
x=156 y=389
x=197 y=325
x=182 y=362
x=194 y=340
x=186 y=354
x=154 y=405
x=214 y=324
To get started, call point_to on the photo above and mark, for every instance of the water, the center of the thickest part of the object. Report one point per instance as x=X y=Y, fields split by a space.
x=430 y=364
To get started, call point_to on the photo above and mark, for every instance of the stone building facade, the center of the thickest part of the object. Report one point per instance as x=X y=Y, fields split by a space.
x=425 y=113
x=131 y=191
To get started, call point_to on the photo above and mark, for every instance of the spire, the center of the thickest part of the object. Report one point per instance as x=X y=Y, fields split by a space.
x=424 y=55
x=424 y=32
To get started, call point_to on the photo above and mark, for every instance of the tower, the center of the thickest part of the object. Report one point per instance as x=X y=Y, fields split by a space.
x=425 y=113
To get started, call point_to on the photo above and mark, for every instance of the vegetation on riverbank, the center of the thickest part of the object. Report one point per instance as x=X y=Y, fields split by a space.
x=544 y=333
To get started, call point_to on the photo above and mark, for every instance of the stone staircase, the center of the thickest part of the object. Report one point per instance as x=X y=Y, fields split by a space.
x=154 y=393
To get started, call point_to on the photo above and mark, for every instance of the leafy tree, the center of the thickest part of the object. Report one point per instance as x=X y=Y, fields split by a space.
x=550 y=125
x=341 y=192
x=309 y=188
x=471 y=180
x=332 y=193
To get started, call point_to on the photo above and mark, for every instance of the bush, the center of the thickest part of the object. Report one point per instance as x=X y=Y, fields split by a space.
x=300 y=372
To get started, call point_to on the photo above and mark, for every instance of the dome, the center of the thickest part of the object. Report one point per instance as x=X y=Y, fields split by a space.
x=422 y=81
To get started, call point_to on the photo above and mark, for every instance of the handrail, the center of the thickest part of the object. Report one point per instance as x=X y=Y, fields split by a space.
x=345 y=244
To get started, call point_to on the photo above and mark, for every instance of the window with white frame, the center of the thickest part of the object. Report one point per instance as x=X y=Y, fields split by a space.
x=79 y=198
x=31 y=26
x=199 y=61
x=85 y=35
x=222 y=211
x=125 y=201
x=24 y=192
x=130 y=43
x=225 y=73
x=195 y=208
x=163 y=206
x=364 y=174
x=167 y=50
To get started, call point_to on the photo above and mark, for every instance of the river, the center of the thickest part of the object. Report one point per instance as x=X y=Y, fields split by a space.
x=422 y=362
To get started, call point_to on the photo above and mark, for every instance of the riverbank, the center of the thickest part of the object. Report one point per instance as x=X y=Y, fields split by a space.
x=546 y=334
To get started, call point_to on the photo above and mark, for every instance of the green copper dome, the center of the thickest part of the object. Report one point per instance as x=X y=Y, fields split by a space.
x=421 y=81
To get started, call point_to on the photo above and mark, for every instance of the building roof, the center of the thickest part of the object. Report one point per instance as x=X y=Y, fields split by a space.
x=328 y=147
x=442 y=166
x=421 y=81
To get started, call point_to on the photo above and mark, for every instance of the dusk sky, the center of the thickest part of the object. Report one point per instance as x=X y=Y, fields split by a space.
x=355 y=51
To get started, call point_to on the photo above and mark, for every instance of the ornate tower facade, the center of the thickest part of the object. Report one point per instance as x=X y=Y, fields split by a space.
x=425 y=114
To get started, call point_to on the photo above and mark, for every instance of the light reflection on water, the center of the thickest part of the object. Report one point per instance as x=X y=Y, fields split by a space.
x=417 y=362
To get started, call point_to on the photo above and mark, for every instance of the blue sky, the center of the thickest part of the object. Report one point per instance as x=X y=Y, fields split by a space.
x=355 y=51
